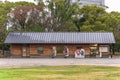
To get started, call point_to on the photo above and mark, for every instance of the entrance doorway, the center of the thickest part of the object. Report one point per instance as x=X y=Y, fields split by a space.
x=93 y=50
x=25 y=51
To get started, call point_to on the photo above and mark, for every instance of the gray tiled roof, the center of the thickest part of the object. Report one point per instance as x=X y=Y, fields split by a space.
x=60 y=37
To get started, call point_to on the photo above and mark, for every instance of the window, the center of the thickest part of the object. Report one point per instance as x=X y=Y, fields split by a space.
x=59 y=50
x=40 y=50
x=103 y=49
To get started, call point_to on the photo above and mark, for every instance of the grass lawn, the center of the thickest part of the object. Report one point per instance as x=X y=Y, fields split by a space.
x=61 y=73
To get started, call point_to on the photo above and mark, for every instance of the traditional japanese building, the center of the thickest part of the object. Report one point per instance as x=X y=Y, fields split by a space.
x=40 y=44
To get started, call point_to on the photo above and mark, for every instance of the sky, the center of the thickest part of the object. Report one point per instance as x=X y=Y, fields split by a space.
x=113 y=5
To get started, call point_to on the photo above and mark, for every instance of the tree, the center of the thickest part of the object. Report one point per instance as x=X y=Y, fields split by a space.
x=4 y=9
x=88 y=18
x=25 y=18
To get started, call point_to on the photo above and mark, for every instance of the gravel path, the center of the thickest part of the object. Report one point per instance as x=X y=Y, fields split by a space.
x=24 y=62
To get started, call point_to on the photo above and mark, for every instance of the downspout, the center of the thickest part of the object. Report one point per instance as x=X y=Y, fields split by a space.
x=111 y=50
